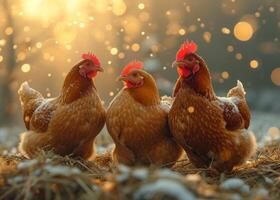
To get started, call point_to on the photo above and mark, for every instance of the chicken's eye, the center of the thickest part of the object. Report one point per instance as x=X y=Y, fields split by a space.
x=134 y=74
x=190 y=59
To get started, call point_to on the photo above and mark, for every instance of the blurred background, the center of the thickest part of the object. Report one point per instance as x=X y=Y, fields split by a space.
x=40 y=40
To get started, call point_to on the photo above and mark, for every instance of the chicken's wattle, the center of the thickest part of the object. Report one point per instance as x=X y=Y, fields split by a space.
x=91 y=74
x=184 y=72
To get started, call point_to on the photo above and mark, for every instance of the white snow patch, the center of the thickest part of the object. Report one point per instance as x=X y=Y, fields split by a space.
x=9 y=137
x=235 y=197
x=166 y=187
x=26 y=164
x=235 y=184
x=262 y=193
x=268 y=180
x=140 y=174
x=16 y=179
x=62 y=170
x=124 y=173
x=194 y=178
x=167 y=173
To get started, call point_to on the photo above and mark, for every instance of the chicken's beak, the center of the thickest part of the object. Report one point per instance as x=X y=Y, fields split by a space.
x=176 y=64
x=100 y=69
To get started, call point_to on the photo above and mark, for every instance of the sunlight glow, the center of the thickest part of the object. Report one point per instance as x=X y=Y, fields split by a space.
x=275 y=76
x=254 y=64
x=118 y=7
x=243 y=31
x=25 y=68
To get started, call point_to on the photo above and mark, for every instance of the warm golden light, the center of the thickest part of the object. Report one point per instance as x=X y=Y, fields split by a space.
x=144 y=16
x=225 y=31
x=274 y=132
x=230 y=48
x=225 y=75
x=135 y=47
x=2 y=42
x=25 y=68
x=243 y=31
x=65 y=33
x=41 y=10
x=238 y=56
x=132 y=26
x=21 y=56
x=118 y=7
x=9 y=31
x=275 y=76
x=121 y=55
x=114 y=51
x=39 y=45
x=182 y=31
x=190 y=109
x=207 y=37
x=254 y=64
x=141 y=6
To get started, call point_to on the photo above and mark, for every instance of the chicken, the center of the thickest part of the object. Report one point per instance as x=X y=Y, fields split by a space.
x=69 y=123
x=137 y=122
x=212 y=130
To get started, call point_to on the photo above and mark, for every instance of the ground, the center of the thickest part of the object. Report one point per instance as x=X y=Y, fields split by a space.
x=50 y=176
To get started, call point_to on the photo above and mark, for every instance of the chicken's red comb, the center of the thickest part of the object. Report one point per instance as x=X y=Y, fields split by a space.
x=186 y=48
x=132 y=65
x=92 y=57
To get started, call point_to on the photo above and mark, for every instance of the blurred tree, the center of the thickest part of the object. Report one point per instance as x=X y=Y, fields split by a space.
x=6 y=101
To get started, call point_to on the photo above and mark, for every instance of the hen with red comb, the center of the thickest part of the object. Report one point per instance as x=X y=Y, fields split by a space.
x=137 y=122
x=66 y=124
x=186 y=49
x=92 y=57
x=212 y=130
x=132 y=65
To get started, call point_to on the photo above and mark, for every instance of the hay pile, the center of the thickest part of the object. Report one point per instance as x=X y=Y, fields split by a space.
x=51 y=176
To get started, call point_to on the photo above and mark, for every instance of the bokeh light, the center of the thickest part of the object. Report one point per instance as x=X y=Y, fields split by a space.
x=25 y=68
x=141 y=6
x=225 y=75
x=254 y=64
x=190 y=109
x=243 y=31
x=275 y=76
x=119 y=7
x=135 y=47
x=114 y=51
x=9 y=30
x=225 y=30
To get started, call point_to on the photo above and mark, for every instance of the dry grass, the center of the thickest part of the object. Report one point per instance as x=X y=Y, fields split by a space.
x=51 y=176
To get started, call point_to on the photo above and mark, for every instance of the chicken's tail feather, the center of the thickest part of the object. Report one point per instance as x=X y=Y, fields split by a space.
x=166 y=103
x=238 y=90
x=27 y=93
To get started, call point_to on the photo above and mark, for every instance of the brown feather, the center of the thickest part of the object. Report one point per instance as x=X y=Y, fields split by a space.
x=212 y=132
x=138 y=126
x=69 y=123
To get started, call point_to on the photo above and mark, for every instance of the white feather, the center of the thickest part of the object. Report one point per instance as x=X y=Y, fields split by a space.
x=240 y=86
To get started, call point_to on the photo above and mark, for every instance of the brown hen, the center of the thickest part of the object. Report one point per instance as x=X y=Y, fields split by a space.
x=212 y=130
x=138 y=123
x=69 y=123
